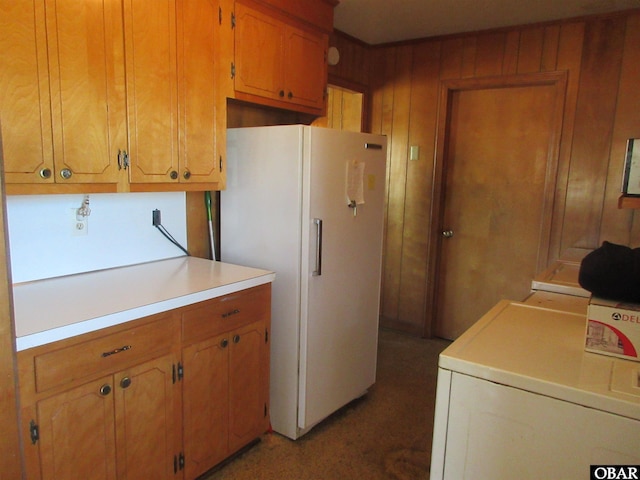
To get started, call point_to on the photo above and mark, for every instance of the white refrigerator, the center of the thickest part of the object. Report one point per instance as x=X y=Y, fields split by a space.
x=308 y=204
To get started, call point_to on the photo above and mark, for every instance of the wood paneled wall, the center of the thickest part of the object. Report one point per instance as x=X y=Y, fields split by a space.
x=602 y=110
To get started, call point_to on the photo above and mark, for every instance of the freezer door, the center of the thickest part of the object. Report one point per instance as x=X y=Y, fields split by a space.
x=339 y=327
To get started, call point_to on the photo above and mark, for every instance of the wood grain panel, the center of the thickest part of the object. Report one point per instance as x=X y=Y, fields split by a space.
x=550 y=48
x=422 y=121
x=396 y=125
x=530 y=50
x=490 y=54
x=468 y=66
x=451 y=59
x=512 y=44
x=600 y=70
x=622 y=226
x=569 y=59
x=355 y=60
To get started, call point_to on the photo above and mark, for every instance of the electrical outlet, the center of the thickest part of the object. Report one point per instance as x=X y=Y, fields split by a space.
x=155 y=218
x=79 y=223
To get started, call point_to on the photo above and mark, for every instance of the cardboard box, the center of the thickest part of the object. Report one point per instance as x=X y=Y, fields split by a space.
x=613 y=328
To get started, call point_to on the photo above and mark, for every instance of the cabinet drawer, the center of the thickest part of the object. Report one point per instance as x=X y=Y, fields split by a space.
x=103 y=355
x=226 y=313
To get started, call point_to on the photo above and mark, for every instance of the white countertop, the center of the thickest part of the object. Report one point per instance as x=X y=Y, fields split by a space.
x=541 y=350
x=53 y=309
x=560 y=277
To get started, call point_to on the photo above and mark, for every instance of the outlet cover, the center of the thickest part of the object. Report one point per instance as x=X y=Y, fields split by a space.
x=79 y=224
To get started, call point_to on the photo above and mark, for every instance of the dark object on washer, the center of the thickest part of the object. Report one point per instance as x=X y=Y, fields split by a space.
x=613 y=272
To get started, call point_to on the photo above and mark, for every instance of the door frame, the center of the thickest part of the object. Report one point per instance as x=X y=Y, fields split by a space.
x=448 y=88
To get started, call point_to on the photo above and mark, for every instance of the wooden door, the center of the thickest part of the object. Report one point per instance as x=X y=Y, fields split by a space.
x=77 y=433
x=258 y=53
x=151 y=70
x=305 y=67
x=25 y=106
x=247 y=401
x=87 y=89
x=197 y=64
x=499 y=163
x=205 y=392
x=147 y=425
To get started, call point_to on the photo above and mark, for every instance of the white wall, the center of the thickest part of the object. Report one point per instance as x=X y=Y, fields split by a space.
x=44 y=244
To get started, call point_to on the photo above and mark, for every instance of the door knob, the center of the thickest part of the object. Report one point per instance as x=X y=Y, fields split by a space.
x=447 y=233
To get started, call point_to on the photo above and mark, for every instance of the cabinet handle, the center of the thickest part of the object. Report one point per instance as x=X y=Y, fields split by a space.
x=125 y=382
x=105 y=390
x=66 y=173
x=117 y=350
x=173 y=175
x=236 y=339
x=224 y=343
x=232 y=312
x=45 y=173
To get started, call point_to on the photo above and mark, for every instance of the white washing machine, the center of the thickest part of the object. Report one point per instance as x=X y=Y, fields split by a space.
x=518 y=397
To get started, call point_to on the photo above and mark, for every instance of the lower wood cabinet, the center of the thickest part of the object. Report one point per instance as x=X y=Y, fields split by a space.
x=226 y=377
x=164 y=397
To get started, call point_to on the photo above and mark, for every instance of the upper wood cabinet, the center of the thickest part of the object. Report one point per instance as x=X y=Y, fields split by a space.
x=171 y=91
x=62 y=91
x=87 y=87
x=280 y=61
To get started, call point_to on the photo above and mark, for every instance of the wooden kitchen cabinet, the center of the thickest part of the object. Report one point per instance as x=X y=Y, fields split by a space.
x=104 y=406
x=110 y=96
x=278 y=61
x=226 y=376
x=171 y=92
x=62 y=92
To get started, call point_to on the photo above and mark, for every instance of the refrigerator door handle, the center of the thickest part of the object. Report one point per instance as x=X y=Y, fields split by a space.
x=318 y=270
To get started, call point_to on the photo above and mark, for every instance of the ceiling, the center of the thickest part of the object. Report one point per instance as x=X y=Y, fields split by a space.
x=385 y=21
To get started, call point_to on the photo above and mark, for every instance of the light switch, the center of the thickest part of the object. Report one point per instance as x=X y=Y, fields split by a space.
x=414 y=152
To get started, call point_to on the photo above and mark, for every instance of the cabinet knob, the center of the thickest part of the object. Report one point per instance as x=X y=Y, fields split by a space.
x=224 y=343
x=66 y=173
x=281 y=93
x=45 y=173
x=173 y=174
x=290 y=95
x=125 y=382
x=105 y=390
x=447 y=233
x=236 y=339
x=186 y=174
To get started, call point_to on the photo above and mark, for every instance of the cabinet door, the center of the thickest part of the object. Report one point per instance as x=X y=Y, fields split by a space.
x=86 y=71
x=151 y=72
x=24 y=93
x=205 y=399
x=77 y=433
x=147 y=420
x=197 y=22
x=305 y=67
x=258 y=53
x=247 y=395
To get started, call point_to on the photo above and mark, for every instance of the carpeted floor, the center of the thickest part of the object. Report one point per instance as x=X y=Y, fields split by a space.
x=384 y=435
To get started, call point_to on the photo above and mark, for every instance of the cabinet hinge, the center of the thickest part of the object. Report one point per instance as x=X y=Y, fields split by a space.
x=34 y=432
x=220 y=163
x=220 y=15
x=178 y=462
x=123 y=159
x=266 y=336
x=233 y=20
x=265 y=410
x=233 y=70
